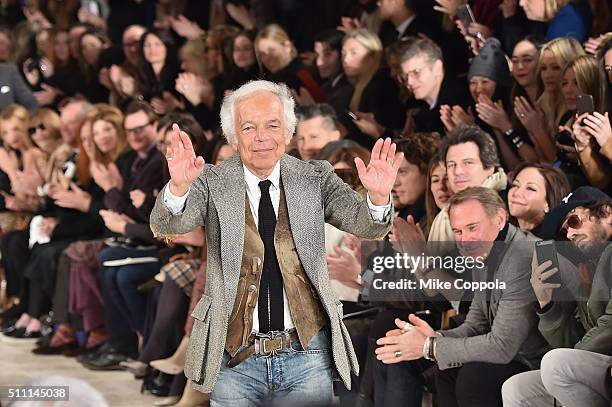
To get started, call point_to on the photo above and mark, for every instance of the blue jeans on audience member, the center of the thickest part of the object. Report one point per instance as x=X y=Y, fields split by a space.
x=296 y=378
x=123 y=281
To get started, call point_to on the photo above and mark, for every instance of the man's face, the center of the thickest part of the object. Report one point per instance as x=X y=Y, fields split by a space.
x=260 y=131
x=69 y=119
x=586 y=231
x=474 y=229
x=312 y=135
x=423 y=77
x=328 y=60
x=387 y=8
x=139 y=131
x=464 y=168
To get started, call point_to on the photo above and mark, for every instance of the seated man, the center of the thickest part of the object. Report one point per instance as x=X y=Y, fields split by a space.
x=317 y=126
x=585 y=217
x=499 y=337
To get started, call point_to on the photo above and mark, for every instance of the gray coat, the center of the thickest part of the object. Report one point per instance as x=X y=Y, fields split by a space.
x=507 y=328
x=315 y=196
x=13 y=88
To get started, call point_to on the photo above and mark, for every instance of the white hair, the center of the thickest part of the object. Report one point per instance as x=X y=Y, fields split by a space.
x=228 y=108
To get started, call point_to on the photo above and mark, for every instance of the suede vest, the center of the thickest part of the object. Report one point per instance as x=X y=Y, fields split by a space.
x=306 y=310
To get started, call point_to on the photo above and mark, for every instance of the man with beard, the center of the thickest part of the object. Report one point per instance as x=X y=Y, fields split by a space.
x=584 y=218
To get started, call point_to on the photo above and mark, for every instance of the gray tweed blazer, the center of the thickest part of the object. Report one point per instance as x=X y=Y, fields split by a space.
x=315 y=196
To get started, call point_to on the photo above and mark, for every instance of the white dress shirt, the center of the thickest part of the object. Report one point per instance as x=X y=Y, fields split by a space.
x=176 y=205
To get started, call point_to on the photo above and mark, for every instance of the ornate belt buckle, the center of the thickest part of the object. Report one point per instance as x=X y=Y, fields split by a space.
x=273 y=343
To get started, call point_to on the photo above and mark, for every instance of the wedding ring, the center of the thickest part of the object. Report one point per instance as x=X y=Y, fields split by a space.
x=407 y=327
x=168 y=158
x=522 y=115
x=398 y=353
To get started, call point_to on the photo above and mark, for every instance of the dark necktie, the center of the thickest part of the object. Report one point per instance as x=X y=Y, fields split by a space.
x=270 y=305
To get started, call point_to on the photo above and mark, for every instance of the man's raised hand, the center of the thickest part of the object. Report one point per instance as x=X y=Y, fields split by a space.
x=183 y=164
x=379 y=176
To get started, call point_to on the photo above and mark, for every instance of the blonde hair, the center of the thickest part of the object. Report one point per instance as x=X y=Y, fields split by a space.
x=19 y=114
x=552 y=7
x=49 y=119
x=590 y=79
x=195 y=49
x=371 y=42
x=564 y=50
x=276 y=33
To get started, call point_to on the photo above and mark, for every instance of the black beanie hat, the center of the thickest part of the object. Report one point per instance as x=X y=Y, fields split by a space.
x=491 y=63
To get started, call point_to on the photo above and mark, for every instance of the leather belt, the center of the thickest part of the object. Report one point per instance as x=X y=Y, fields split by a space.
x=267 y=344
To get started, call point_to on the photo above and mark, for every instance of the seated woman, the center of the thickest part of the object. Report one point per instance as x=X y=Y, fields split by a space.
x=280 y=62
x=239 y=60
x=535 y=190
x=564 y=17
x=582 y=78
x=375 y=100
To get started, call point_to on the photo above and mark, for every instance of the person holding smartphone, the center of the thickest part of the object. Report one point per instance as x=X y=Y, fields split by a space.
x=584 y=217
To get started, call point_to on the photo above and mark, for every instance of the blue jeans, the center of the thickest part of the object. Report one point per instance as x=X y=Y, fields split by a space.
x=296 y=378
x=121 y=283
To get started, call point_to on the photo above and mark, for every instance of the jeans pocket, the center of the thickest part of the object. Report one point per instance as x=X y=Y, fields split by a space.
x=318 y=344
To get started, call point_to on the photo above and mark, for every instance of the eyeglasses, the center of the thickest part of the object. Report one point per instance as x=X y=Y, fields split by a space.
x=136 y=130
x=32 y=130
x=573 y=221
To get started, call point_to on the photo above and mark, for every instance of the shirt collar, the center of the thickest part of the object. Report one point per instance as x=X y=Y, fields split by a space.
x=402 y=27
x=252 y=180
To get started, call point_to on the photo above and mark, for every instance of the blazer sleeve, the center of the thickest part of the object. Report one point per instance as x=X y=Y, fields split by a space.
x=22 y=92
x=511 y=325
x=165 y=224
x=345 y=209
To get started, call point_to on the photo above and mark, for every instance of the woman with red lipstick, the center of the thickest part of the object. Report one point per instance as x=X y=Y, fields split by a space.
x=535 y=190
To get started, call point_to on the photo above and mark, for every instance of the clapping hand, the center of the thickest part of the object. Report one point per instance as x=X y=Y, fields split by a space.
x=404 y=343
x=379 y=176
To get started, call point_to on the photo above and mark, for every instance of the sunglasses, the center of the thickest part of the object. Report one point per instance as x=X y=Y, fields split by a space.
x=32 y=130
x=573 y=221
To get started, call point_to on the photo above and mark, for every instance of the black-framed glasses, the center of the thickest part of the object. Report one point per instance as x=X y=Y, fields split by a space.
x=33 y=129
x=136 y=130
x=573 y=221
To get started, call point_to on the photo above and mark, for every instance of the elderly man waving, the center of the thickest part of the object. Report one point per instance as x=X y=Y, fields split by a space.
x=268 y=328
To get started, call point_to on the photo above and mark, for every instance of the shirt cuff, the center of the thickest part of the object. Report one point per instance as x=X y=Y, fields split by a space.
x=379 y=213
x=175 y=204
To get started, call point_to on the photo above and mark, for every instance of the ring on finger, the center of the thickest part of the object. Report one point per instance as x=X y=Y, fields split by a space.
x=168 y=158
x=397 y=353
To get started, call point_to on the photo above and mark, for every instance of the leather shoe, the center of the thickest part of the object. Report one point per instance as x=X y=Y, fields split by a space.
x=81 y=350
x=105 y=361
x=54 y=350
x=94 y=353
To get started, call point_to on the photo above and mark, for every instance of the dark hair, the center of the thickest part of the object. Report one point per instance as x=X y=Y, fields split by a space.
x=140 y=105
x=419 y=148
x=517 y=90
x=431 y=209
x=600 y=209
x=331 y=37
x=555 y=181
x=322 y=110
x=147 y=78
x=487 y=150
x=99 y=34
x=423 y=46
x=346 y=151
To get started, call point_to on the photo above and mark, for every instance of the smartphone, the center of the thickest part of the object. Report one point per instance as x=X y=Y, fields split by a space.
x=465 y=14
x=565 y=138
x=584 y=104
x=352 y=115
x=546 y=250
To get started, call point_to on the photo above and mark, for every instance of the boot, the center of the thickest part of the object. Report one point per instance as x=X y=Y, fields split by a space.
x=193 y=398
x=174 y=364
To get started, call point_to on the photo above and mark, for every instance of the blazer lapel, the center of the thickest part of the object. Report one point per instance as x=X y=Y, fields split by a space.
x=301 y=193
x=229 y=195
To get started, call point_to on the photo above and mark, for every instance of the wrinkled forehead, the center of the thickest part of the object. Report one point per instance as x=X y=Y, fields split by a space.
x=258 y=106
